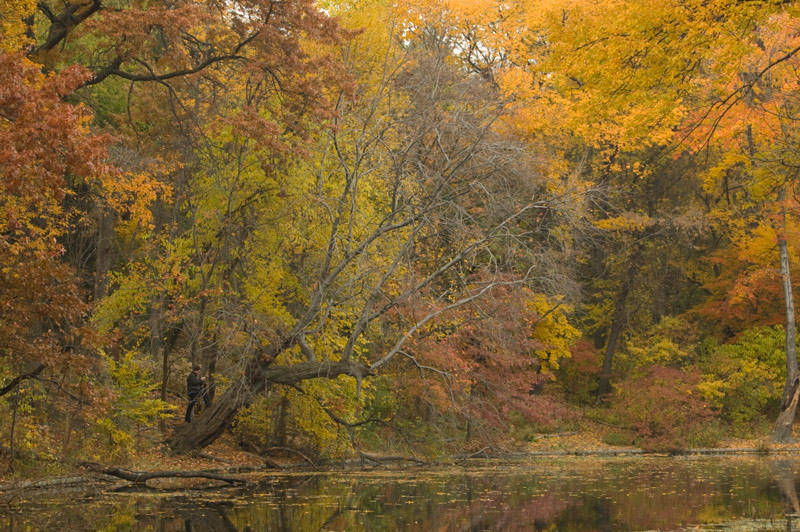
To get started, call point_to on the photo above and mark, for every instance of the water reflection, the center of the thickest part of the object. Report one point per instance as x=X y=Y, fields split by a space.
x=743 y=493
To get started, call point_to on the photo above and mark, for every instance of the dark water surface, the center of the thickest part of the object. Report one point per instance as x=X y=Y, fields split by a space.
x=565 y=494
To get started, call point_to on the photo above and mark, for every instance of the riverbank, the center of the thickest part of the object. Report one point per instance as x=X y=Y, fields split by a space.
x=625 y=493
x=591 y=440
x=224 y=458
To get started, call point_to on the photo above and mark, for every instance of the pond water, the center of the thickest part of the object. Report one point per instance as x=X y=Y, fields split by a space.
x=564 y=494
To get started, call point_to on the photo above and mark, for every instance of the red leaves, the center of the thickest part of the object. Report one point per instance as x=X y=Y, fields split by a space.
x=664 y=407
x=42 y=140
x=490 y=354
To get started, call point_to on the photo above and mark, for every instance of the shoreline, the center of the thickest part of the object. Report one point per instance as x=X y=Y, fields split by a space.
x=105 y=482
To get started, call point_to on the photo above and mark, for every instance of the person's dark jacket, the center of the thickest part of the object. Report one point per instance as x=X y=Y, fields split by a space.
x=194 y=384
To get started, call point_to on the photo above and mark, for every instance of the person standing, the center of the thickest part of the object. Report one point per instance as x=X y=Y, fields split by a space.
x=195 y=385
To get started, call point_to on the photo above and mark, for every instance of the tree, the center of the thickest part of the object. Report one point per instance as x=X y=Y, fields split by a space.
x=46 y=143
x=44 y=140
x=412 y=194
x=485 y=362
x=713 y=77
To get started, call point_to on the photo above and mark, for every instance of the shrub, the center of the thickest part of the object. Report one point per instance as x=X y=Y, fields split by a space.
x=579 y=375
x=745 y=379
x=664 y=409
x=134 y=406
x=618 y=438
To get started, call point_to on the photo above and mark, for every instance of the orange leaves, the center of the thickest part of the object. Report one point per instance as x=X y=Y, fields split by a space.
x=42 y=140
x=744 y=282
x=131 y=194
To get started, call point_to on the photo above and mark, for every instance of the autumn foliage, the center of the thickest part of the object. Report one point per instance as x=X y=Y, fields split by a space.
x=379 y=224
x=496 y=357
x=664 y=409
x=45 y=143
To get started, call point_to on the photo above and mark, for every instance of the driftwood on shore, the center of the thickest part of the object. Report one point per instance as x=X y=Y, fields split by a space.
x=141 y=477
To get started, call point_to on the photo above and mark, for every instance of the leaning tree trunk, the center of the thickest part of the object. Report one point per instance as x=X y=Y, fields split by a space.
x=782 y=431
x=209 y=425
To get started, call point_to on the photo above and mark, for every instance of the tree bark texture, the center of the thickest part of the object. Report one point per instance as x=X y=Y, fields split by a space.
x=782 y=431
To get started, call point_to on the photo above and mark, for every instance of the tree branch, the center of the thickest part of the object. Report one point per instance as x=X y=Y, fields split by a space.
x=18 y=379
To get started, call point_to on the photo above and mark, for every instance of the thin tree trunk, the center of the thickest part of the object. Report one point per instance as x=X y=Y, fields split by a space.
x=196 y=347
x=105 y=243
x=279 y=436
x=71 y=416
x=782 y=431
x=617 y=322
x=166 y=348
x=210 y=364
x=12 y=453
x=162 y=423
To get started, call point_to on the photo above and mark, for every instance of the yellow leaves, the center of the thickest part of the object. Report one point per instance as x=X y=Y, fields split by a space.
x=129 y=297
x=471 y=10
x=12 y=23
x=629 y=221
x=306 y=412
x=375 y=52
x=552 y=329
x=666 y=344
x=718 y=172
x=758 y=245
x=662 y=351
x=264 y=287
x=741 y=378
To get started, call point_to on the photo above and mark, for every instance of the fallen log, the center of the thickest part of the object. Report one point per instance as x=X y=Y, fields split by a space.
x=141 y=477
x=381 y=459
x=56 y=482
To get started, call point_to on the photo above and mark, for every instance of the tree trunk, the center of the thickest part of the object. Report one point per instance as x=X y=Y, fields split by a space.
x=604 y=384
x=11 y=446
x=197 y=339
x=209 y=425
x=105 y=245
x=162 y=424
x=782 y=431
x=279 y=434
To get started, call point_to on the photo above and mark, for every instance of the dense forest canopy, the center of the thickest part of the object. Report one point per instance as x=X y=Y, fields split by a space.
x=376 y=225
